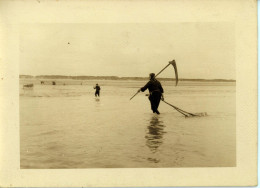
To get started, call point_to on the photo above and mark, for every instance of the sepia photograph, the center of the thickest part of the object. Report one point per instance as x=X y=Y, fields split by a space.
x=128 y=93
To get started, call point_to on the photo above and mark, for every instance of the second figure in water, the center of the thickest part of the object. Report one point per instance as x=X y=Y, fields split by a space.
x=97 y=88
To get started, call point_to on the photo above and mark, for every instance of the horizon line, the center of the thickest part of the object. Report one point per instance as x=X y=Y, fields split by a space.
x=27 y=75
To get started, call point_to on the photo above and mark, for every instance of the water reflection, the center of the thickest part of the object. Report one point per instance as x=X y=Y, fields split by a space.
x=154 y=135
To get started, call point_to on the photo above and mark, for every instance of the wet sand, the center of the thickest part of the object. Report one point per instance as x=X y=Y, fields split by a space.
x=65 y=126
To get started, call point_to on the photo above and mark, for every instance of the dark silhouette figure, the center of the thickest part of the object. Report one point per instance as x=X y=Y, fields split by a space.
x=53 y=83
x=155 y=92
x=42 y=82
x=97 y=88
x=28 y=86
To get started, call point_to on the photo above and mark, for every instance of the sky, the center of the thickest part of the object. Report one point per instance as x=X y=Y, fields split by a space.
x=201 y=50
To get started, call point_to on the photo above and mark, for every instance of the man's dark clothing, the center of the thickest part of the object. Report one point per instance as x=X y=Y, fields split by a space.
x=155 y=90
x=97 y=93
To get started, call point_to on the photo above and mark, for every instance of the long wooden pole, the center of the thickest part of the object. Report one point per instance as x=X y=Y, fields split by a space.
x=162 y=69
x=134 y=95
x=155 y=76
x=176 y=74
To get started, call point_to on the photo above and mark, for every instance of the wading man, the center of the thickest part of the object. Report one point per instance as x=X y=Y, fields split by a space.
x=97 y=88
x=156 y=92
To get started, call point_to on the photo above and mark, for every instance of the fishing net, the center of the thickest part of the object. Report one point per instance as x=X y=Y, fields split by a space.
x=187 y=114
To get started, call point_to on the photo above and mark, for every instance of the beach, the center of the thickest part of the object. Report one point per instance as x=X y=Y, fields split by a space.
x=66 y=126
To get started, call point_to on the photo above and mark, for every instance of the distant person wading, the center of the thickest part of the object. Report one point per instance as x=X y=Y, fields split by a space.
x=156 y=92
x=97 y=88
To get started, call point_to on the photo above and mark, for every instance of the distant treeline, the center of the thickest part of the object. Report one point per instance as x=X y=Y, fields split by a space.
x=117 y=78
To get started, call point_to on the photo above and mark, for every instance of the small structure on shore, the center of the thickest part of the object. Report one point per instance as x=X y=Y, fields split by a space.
x=28 y=86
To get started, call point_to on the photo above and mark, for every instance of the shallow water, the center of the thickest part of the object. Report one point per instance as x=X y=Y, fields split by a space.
x=65 y=126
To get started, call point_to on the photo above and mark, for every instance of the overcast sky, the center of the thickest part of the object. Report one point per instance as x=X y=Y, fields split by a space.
x=201 y=50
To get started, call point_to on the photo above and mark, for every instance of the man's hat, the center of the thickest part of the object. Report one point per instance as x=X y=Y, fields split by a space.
x=152 y=75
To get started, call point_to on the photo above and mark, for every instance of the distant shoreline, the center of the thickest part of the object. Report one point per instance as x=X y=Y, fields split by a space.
x=118 y=78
